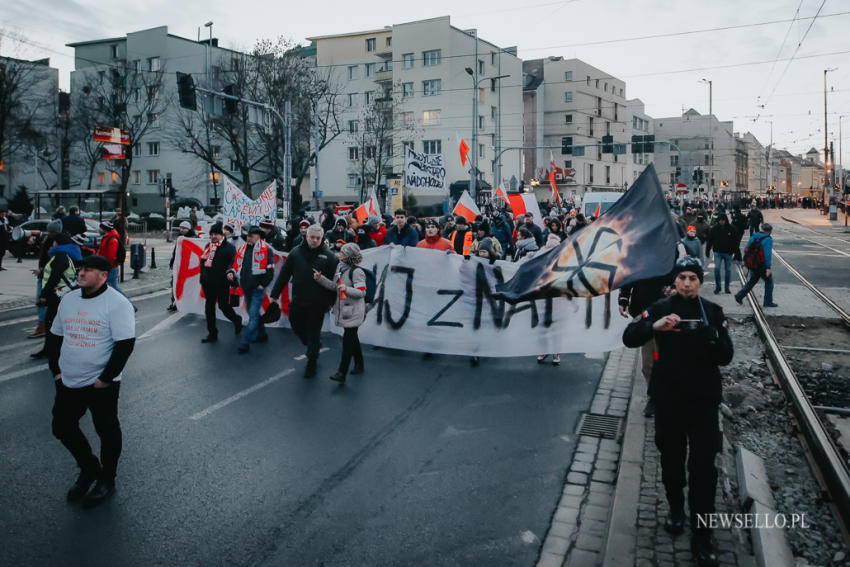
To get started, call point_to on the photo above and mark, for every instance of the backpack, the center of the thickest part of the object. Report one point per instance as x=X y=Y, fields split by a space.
x=754 y=255
x=371 y=283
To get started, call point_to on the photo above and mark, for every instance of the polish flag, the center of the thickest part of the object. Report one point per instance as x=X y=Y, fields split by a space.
x=598 y=210
x=522 y=203
x=464 y=149
x=556 y=197
x=370 y=207
x=501 y=193
x=466 y=207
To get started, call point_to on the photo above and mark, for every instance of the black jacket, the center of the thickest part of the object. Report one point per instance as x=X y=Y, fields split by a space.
x=641 y=294
x=755 y=218
x=274 y=238
x=298 y=267
x=73 y=225
x=722 y=238
x=686 y=367
x=216 y=275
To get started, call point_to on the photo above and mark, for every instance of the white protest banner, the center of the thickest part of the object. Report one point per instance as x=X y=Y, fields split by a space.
x=424 y=171
x=239 y=209
x=428 y=301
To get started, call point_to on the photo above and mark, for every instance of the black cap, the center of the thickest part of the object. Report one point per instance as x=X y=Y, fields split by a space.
x=96 y=262
x=689 y=264
x=216 y=229
x=431 y=222
x=254 y=230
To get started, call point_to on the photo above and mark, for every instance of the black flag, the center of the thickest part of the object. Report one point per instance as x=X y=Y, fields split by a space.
x=634 y=240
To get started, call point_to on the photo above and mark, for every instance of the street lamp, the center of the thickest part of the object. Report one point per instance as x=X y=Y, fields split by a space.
x=710 y=133
x=827 y=186
x=473 y=176
x=209 y=25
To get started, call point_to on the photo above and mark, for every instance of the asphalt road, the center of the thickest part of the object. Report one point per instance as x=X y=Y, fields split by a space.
x=821 y=255
x=415 y=462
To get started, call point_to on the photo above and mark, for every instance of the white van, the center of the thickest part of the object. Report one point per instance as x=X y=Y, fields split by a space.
x=604 y=201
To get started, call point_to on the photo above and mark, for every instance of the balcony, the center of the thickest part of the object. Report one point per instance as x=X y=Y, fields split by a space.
x=384 y=75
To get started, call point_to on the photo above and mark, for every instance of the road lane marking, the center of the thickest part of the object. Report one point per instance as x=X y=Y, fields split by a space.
x=240 y=395
x=24 y=372
x=29 y=342
x=303 y=356
x=163 y=325
x=18 y=320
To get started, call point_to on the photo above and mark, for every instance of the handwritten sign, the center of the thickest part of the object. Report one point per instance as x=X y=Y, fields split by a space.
x=424 y=171
x=238 y=209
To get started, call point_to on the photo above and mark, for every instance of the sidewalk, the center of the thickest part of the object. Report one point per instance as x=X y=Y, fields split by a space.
x=811 y=218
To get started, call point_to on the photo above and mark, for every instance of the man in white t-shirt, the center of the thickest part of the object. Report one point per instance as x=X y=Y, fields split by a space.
x=89 y=343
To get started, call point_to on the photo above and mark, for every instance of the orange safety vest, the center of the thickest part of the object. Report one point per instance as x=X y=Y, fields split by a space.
x=467 y=242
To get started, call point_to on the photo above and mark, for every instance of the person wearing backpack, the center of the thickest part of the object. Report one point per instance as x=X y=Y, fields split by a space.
x=349 y=310
x=112 y=248
x=757 y=258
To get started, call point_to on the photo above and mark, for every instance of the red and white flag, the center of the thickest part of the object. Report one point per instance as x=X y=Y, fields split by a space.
x=463 y=148
x=501 y=194
x=466 y=207
x=370 y=207
x=523 y=203
x=556 y=197
x=113 y=151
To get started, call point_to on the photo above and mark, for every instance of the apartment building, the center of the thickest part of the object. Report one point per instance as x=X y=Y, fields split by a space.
x=155 y=157
x=756 y=163
x=639 y=126
x=410 y=84
x=32 y=147
x=811 y=171
x=707 y=150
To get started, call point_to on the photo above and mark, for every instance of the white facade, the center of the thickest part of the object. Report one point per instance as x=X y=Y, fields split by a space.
x=421 y=68
x=581 y=104
x=34 y=164
x=638 y=123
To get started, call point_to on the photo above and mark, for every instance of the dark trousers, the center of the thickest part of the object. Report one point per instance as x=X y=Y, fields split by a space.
x=754 y=278
x=306 y=321
x=221 y=297
x=688 y=430
x=70 y=405
x=52 y=310
x=350 y=349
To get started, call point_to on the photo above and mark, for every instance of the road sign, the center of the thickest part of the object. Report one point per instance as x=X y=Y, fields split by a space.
x=111 y=135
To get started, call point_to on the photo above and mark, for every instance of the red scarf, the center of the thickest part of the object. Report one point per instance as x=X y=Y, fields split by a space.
x=209 y=252
x=259 y=259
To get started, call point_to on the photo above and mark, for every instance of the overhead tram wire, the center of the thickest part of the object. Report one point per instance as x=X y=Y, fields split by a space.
x=782 y=45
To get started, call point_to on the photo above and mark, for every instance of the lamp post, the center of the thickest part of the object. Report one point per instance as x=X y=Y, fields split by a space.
x=827 y=189
x=710 y=133
x=209 y=25
x=473 y=176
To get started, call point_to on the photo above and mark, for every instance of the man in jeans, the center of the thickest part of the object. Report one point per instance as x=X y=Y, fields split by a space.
x=254 y=266
x=723 y=238
x=89 y=343
x=766 y=242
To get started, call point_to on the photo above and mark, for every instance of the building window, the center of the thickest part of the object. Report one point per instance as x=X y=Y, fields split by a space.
x=608 y=175
x=606 y=87
x=590 y=125
x=568 y=118
x=568 y=96
x=590 y=173
x=370 y=69
x=137 y=149
x=480 y=150
x=597 y=83
x=492 y=58
x=407 y=119
x=114 y=50
x=353 y=126
x=153 y=120
x=234 y=165
x=492 y=85
x=432 y=87
x=431 y=117
x=137 y=65
x=153 y=64
x=432 y=146
x=216 y=151
x=568 y=76
x=369 y=97
x=353 y=154
x=352 y=73
x=405 y=145
x=706 y=159
x=493 y=112
x=621 y=91
x=480 y=121
x=153 y=148
x=137 y=177
x=607 y=128
x=114 y=176
x=407 y=58
x=432 y=57
x=352 y=99
x=588 y=80
x=153 y=176
x=674 y=160
x=353 y=180
x=599 y=106
x=568 y=164
x=480 y=67
x=616 y=111
x=370 y=44
x=389 y=41
x=370 y=152
x=407 y=90
x=480 y=95
x=598 y=153
x=100 y=178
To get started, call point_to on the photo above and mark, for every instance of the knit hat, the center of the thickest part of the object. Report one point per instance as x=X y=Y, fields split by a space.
x=304 y=222
x=341 y=221
x=486 y=244
x=485 y=226
x=216 y=229
x=552 y=240
x=431 y=222
x=186 y=224
x=688 y=264
x=267 y=222
x=106 y=225
x=373 y=220
x=54 y=226
x=690 y=228
x=80 y=239
x=460 y=220
x=96 y=262
x=352 y=253
x=254 y=230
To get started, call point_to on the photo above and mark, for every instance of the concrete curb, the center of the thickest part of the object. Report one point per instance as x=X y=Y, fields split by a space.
x=786 y=219
x=622 y=530
x=770 y=545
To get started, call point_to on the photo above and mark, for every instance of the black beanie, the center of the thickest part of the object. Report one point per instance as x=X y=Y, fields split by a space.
x=689 y=264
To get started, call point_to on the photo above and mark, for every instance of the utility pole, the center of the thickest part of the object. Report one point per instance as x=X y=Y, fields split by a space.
x=287 y=160
x=827 y=189
x=710 y=135
x=209 y=84
x=473 y=181
x=316 y=146
x=497 y=165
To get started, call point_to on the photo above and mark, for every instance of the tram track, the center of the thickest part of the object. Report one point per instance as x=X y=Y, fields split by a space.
x=791 y=358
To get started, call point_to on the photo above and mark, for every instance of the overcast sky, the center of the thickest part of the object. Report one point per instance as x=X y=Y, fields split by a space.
x=664 y=72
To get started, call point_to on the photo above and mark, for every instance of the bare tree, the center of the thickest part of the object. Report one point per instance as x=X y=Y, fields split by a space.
x=122 y=96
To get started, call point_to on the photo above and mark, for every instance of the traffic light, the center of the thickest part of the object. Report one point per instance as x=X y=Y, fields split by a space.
x=649 y=144
x=567 y=145
x=230 y=105
x=607 y=144
x=186 y=91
